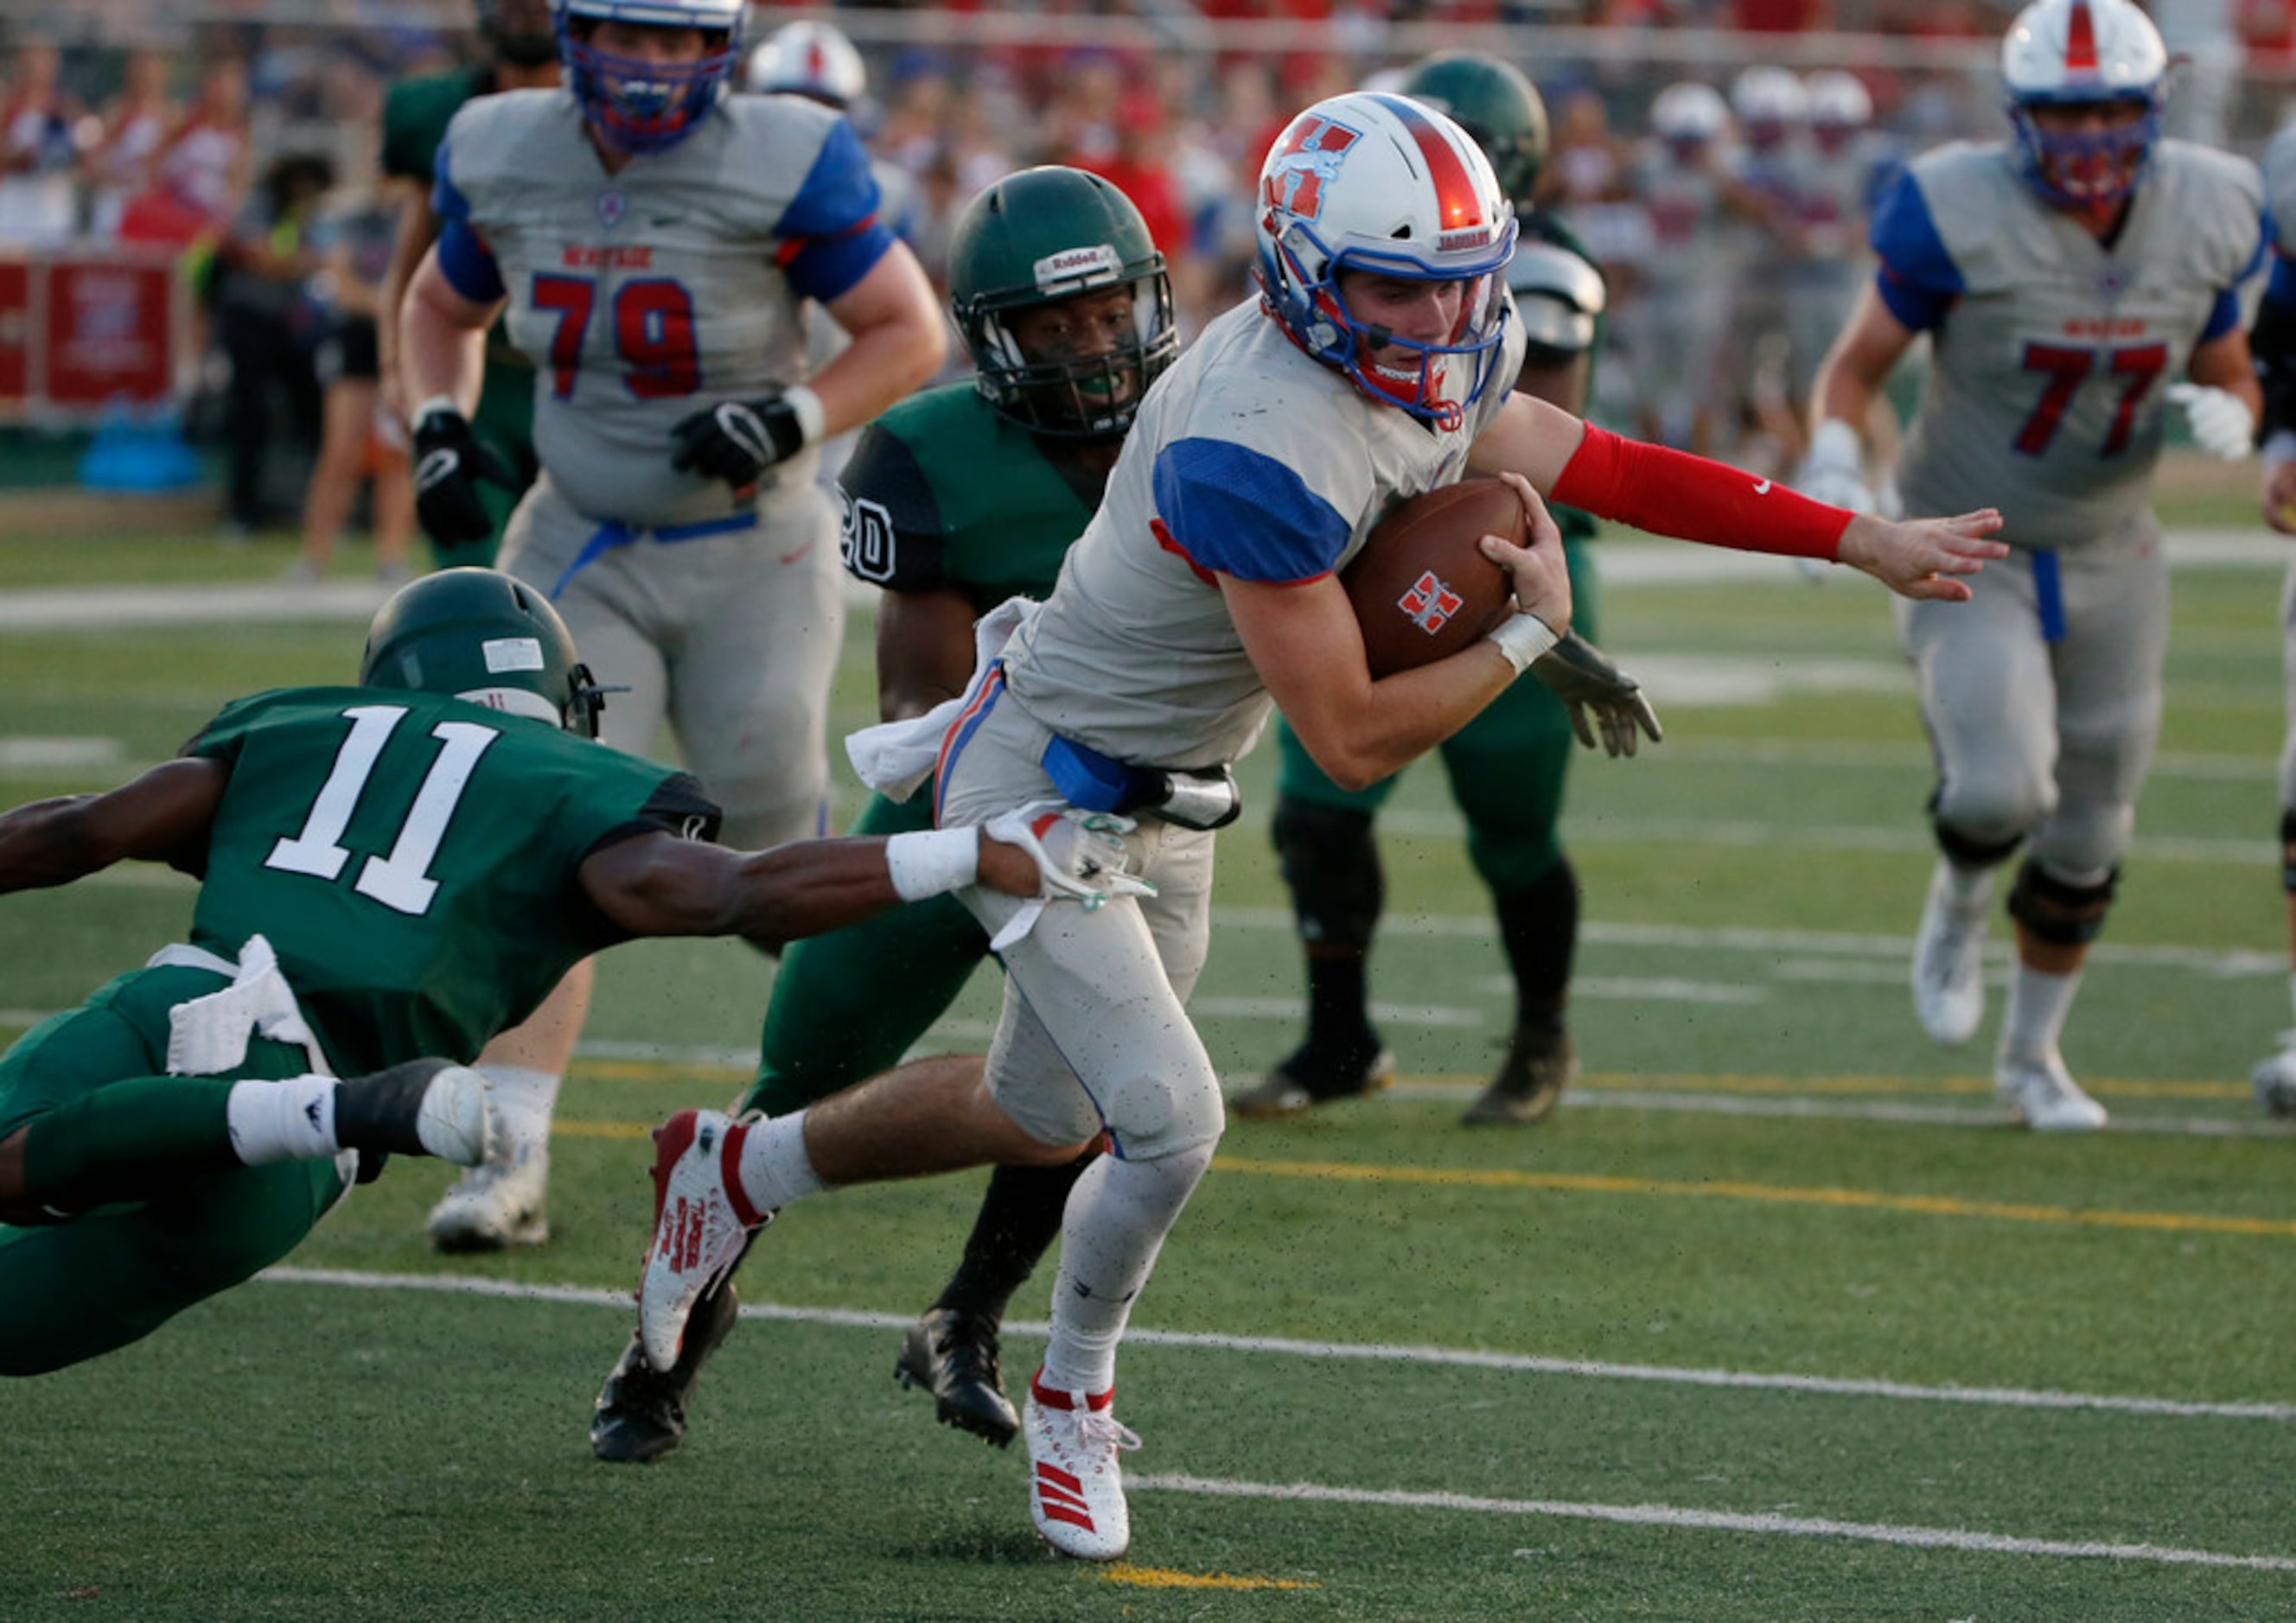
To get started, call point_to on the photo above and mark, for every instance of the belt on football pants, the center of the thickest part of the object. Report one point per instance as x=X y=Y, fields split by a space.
x=614 y=533
x=1089 y=780
x=2048 y=594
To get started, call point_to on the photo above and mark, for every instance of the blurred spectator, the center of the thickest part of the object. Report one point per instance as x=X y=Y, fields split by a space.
x=40 y=150
x=264 y=320
x=353 y=235
x=200 y=177
x=135 y=126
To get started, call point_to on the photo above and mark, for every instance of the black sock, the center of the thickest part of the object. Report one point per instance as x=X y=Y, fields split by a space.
x=1019 y=1218
x=1538 y=926
x=1339 y=1013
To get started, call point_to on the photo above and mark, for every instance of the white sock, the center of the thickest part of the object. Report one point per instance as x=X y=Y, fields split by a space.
x=2039 y=1003
x=1118 y=1216
x=775 y=1168
x=523 y=1101
x=292 y=1119
x=1970 y=889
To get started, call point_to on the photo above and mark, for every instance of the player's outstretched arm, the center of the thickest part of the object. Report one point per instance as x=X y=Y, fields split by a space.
x=657 y=884
x=1670 y=492
x=163 y=815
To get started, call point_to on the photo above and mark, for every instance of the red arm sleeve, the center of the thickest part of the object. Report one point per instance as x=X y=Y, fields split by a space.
x=1670 y=492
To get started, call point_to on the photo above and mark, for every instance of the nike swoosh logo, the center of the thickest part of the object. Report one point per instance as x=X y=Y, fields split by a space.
x=1762 y=489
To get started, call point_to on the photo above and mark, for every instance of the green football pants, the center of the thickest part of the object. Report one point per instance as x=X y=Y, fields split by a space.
x=98 y=1282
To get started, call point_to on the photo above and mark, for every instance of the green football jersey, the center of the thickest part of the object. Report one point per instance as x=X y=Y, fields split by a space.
x=413 y=859
x=944 y=492
x=416 y=115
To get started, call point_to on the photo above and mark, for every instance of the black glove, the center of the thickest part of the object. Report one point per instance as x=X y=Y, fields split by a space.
x=738 y=441
x=1583 y=677
x=449 y=462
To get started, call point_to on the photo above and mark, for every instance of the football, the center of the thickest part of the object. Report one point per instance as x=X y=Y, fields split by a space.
x=1420 y=585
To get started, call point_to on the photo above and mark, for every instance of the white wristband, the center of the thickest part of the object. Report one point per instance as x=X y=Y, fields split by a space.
x=932 y=861
x=807 y=405
x=2279 y=447
x=1523 y=637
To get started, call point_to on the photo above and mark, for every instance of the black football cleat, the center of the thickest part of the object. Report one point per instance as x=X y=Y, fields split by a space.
x=640 y=1413
x=953 y=1356
x=1309 y=1076
x=1540 y=1063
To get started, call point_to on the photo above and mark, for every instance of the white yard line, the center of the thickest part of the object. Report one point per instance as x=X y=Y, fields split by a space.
x=2011 y=1398
x=1724 y=1521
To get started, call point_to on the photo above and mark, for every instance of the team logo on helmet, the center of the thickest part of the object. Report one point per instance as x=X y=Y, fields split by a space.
x=1304 y=163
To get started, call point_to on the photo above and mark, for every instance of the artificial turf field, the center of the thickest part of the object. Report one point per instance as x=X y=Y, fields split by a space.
x=1776 y=1319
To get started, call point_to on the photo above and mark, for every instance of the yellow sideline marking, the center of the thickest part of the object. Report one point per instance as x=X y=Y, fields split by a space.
x=1164 y=1577
x=1687 y=1081
x=1583 y=1183
x=1940 y=1206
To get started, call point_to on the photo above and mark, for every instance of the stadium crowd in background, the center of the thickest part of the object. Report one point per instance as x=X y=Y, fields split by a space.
x=189 y=114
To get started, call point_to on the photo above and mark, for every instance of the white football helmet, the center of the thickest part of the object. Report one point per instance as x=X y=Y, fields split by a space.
x=1771 y=104
x=2061 y=52
x=807 y=59
x=1377 y=183
x=644 y=106
x=1688 y=112
x=1838 y=100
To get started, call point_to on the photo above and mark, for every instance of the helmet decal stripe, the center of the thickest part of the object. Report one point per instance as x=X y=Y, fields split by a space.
x=2080 y=40
x=1455 y=184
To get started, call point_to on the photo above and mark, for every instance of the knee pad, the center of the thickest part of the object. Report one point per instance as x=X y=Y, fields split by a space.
x=2057 y=911
x=2288 y=852
x=1965 y=850
x=1330 y=866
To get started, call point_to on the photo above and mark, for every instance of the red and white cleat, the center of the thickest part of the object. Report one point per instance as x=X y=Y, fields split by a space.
x=1076 y=1487
x=702 y=1220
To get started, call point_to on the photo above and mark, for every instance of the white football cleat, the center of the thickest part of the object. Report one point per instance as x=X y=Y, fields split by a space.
x=1948 y=974
x=1076 y=1487
x=702 y=1221
x=2274 y=1079
x=496 y=1204
x=2043 y=1092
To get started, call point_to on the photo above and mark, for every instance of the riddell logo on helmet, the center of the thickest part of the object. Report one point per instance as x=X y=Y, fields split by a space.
x=1098 y=263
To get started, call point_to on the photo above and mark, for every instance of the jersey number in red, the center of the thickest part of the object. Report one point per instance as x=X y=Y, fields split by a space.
x=653 y=335
x=2066 y=367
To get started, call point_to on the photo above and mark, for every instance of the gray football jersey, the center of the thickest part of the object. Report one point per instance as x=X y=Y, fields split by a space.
x=2046 y=389
x=2280 y=188
x=645 y=295
x=1247 y=458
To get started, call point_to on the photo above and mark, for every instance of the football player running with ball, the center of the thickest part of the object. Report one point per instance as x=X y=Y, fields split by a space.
x=1372 y=367
x=389 y=874
x=955 y=500
x=652 y=242
x=1507 y=766
x=2064 y=277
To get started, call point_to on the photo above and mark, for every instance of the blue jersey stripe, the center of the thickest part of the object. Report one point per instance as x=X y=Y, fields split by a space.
x=1918 y=279
x=832 y=222
x=1232 y=508
x=470 y=269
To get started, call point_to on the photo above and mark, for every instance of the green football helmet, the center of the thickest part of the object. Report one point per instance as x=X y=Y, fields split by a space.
x=481 y=635
x=1036 y=238
x=1494 y=102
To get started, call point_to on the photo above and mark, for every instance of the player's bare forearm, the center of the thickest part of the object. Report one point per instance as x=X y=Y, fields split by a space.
x=1854 y=371
x=1308 y=647
x=659 y=885
x=442 y=339
x=925 y=651
x=899 y=341
x=418 y=228
x=2226 y=363
x=161 y=816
